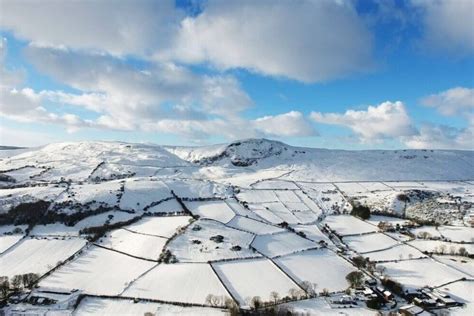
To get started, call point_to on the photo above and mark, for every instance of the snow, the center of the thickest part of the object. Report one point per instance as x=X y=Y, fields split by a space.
x=312 y=232
x=10 y=198
x=7 y=241
x=432 y=231
x=97 y=271
x=287 y=196
x=195 y=189
x=421 y=272
x=370 y=242
x=464 y=264
x=168 y=206
x=257 y=196
x=457 y=234
x=186 y=249
x=38 y=255
x=253 y=226
x=104 y=192
x=216 y=210
x=321 y=266
x=179 y=282
x=376 y=219
x=398 y=252
x=92 y=306
x=239 y=209
x=282 y=212
x=164 y=226
x=142 y=192
x=281 y=244
x=437 y=246
x=135 y=244
x=254 y=277
x=348 y=225
x=319 y=306
x=275 y=184
x=9 y=229
x=461 y=291
x=59 y=229
x=266 y=214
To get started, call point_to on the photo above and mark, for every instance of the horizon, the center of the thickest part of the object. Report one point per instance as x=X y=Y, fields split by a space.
x=354 y=75
x=12 y=147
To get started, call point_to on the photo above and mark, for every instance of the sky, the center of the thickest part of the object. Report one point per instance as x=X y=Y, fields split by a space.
x=360 y=74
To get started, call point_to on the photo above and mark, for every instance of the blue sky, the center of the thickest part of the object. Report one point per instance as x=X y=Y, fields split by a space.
x=337 y=74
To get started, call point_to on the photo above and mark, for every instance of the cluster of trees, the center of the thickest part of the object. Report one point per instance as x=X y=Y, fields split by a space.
x=18 y=282
x=167 y=257
x=361 y=211
x=355 y=279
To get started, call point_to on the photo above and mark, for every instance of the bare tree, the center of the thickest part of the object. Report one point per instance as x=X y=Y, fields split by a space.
x=274 y=296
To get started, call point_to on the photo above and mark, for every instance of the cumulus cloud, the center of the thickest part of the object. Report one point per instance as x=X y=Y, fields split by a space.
x=117 y=27
x=304 y=40
x=442 y=137
x=455 y=101
x=288 y=124
x=308 y=41
x=159 y=97
x=387 y=120
x=447 y=25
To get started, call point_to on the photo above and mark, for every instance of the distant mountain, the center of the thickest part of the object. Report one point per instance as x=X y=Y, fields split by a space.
x=80 y=160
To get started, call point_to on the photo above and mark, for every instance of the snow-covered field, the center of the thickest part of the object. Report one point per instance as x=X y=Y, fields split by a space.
x=216 y=210
x=369 y=242
x=165 y=226
x=7 y=241
x=97 y=271
x=38 y=255
x=180 y=282
x=348 y=225
x=254 y=277
x=399 y=252
x=321 y=267
x=421 y=272
x=91 y=306
x=199 y=243
x=135 y=244
x=281 y=244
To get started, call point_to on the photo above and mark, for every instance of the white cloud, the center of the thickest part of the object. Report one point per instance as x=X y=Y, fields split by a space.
x=161 y=97
x=442 y=137
x=308 y=41
x=117 y=27
x=447 y=25
x=455 y=101
x=288 y=124
x=387 y=120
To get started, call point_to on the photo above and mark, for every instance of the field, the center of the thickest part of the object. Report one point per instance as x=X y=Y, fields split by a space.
x=253 y=226
x=281 y=244
x=97 y=271
x=421 y=272
x=348 y=225
x=398 y=252
x=6 y=241
x=369 y=242
x=38 y=255
x=255 y=277
x=180 y=282
x=142 y=192
x=216 y=210
x=91 y=306
x=165 y=226
x=135 y=244
x=199 y=244
x=321 y=267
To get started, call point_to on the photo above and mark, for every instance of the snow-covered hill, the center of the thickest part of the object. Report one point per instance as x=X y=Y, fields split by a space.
x=87 y=160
